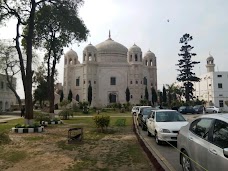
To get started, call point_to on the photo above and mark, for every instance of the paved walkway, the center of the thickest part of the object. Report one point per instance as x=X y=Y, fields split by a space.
x=5 y=118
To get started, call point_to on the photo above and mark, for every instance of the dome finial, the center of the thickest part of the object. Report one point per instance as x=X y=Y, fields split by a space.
x=109 y=35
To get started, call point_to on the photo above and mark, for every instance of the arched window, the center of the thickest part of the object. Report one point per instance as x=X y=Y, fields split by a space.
x=77 y=98
x=130 y=82
x=70 y=61
x=136 y=57
x=131 y=96
x=90 y=57
x=130 y=57
x=84 y=56
x=144 y=81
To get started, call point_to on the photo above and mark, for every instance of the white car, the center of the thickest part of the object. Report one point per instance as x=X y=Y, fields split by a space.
x=213 y=109
x=134 y=110
x=165 y=125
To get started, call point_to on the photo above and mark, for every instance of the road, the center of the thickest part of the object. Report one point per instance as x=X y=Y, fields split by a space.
x=168 y=153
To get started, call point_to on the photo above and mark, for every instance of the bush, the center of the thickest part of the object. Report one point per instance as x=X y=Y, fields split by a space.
x=101 y=121
x=4 y=138
x=35 y=125
x=42 y=117
x=65 y=114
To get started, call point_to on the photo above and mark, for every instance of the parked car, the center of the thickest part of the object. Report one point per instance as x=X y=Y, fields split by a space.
x=203 y=143
x=165 y=125
x=140 y=110
x=134 y=110
x=213 y=109
x=143 y=116
x=186 y=109
x=198 y=109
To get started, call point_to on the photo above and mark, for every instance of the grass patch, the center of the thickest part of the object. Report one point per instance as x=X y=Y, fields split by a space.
x=10 y=124
x=34 y=138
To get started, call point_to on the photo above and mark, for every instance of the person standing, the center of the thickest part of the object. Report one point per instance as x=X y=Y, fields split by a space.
x=22 y=111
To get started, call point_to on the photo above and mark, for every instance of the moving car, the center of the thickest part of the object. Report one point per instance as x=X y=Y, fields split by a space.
x=140 y=110
x=165 y=125
x=204 y=143
x=198 y=109
x=134 y=110
x=186 y=109
x=213 y=109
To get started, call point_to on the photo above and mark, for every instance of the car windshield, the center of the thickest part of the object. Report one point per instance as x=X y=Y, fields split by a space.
x=169 y=116
x=146 y=111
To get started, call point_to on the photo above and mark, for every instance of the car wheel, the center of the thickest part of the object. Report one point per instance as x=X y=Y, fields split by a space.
x=214 y=111
x=186 y=162
x=157 y=140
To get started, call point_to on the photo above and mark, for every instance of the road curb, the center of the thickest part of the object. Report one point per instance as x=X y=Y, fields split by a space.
x=152 y=157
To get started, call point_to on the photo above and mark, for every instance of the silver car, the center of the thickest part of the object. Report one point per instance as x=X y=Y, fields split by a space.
x=203 y=143
x=213 y=109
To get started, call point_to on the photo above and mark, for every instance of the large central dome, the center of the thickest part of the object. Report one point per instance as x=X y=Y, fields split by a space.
x=111 y=47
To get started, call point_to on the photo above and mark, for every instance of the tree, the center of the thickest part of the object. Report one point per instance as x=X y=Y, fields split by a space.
x=90 y=94
x=154 y=96
x=9 y=65
x=164 y=95
x=128 y=94
x=56 y=26
x=146 y=94
x=186 y=66
x=160 y=97
x=61 y=96
x=24 y=13
x=70 y=95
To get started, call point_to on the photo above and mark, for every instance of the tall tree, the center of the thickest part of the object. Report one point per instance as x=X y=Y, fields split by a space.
x=128 y=94
x=164 y=95
x=90 y=94
x=61 y=96
x=146 y=94
x=186 y=65
x=24 y=13
x=160 y=97
x=70 y=95
x=9 y=65
x=154 y=96
x=57 y=26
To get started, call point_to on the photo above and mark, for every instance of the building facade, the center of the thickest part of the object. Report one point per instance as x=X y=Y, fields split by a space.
x=213 y=86
x=7 y=97
x=109 y=68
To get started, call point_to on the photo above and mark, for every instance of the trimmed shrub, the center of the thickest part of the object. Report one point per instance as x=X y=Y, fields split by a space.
x=65 y=114
x=42 y=117
x=101 y=121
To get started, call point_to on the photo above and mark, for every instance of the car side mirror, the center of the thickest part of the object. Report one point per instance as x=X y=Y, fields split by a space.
x=225 y=152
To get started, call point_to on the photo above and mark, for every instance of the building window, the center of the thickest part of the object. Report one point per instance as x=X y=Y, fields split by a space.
x=219 y=76
x=84 y=82
x=94 y=82
x=113 y=81
x=220 y=95
x=131 y=96
x=141 y=96
x=130 y=82
x=77 y=81
x=136 y=57
x=136 y=82
x=144 y=81
x=219 y=85
x=209 y=85
x=90 y=82
x=2 y=85
x=221 y=104
x=112 y=98
x=77 y=98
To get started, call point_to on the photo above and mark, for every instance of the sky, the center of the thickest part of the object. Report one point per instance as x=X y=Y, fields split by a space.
x=145 y=23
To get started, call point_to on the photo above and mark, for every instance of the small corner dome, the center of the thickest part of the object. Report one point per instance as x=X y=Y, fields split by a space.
x=135 y=48
x=210 y=58
x=71 y=54
x=90 y=48
x=149 y=54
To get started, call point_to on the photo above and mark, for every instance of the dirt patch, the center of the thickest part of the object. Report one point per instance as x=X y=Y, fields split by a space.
x=115 y=150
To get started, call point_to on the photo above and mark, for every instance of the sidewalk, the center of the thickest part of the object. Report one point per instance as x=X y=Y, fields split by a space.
x=5 y=118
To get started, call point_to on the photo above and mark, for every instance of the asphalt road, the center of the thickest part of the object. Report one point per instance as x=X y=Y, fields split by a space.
x=168 y=153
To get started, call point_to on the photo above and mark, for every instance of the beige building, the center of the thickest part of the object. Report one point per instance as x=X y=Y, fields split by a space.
x=7 y=97
x=110 y=68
